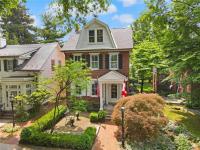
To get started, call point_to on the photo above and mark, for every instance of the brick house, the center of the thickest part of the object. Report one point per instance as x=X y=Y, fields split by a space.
x=106 y=52
x=21 y=65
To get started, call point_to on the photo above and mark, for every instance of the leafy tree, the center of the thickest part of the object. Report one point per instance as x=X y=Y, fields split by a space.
x=73 y=13
x=144 y=57
x=52 y=30
x=175 y=25
x=65 y=80
x=7 y=5
x=18 y=26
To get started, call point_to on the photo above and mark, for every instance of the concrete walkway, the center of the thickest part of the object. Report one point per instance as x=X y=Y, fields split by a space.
x=23 y=147
x=4 y=121
x=106 y=138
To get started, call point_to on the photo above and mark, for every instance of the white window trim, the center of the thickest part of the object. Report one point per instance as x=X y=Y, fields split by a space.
x=11 y=65
x=89 y=36
x=111 y=54
x=94 y=54
x=97 y=35
x=78 y=54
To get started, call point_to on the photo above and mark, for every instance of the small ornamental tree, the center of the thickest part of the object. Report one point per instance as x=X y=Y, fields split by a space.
x=143 y=116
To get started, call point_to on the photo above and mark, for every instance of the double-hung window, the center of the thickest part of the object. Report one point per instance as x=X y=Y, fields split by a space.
x=113 y=61
x=100 y=35
x=77 y=57
x=91 y=36
x=9 y=65
x=94 y=61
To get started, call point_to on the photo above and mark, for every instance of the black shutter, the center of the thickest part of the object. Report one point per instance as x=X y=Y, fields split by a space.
x=5 y=65
x=120 y=61
x=107 y=61
x=15 y=61
x=88 y=60
x=100 y=61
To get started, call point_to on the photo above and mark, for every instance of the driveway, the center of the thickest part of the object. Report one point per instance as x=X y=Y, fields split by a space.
x=106 y=138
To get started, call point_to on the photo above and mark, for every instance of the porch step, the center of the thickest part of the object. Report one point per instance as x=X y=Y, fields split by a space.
x=108 y=117
x=6 y=115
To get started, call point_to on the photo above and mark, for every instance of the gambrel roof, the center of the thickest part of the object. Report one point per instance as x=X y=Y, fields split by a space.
x=121 y=37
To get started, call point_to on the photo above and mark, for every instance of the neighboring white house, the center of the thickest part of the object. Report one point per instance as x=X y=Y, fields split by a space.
x=20 y=65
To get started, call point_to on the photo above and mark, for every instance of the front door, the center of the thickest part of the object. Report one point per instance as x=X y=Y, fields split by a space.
x=113 y=92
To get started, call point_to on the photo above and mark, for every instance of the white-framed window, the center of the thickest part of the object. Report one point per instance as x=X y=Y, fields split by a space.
x=91 y=36
x=113 y=64
x=9 y=65
x=77 y=57
x=28 y=89
x=94 y=61
x=99 y=35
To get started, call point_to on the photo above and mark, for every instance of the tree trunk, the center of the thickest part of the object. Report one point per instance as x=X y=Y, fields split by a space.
x=142 y=86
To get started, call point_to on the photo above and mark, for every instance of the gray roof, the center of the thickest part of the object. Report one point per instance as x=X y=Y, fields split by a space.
x=17 y=50
x=40 y=54
x=122 y=38
x=40 y=57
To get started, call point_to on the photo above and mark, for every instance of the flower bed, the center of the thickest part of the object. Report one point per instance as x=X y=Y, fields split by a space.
x=35 y=135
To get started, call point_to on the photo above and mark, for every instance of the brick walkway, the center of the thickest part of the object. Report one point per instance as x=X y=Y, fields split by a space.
x=106 y=138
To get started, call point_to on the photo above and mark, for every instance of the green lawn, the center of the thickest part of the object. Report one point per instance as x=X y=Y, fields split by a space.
x=190 y=120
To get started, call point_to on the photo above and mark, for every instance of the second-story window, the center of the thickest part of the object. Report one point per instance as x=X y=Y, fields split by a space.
x=113 y=61
x=91 y=36
x=94 y=59
x=100 y=35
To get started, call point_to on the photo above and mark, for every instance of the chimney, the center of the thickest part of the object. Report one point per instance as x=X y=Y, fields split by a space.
x=2 y=38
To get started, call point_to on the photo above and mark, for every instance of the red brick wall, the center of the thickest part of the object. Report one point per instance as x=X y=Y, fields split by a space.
x=100 y=72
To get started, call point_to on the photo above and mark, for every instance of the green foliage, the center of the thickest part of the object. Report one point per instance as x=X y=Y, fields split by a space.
x=73 y=19
x=102 y=115
x=98 y=116
x=34 y=135
x=37 y=98
x=7 y=5
x=94 y=117
x=18 y=26
x=92 y=106
x=79 y=105
x=46 y=121
x=52 y=30
x=182 y=142
x=175 y=26
x=9 y=128
x=144 y=57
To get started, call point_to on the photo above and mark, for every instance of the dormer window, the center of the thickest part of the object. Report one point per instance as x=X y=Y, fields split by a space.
x=100 y=35
x=91 y=36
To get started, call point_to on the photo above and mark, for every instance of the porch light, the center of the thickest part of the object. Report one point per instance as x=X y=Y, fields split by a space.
x=12 y=105
x=123 y=132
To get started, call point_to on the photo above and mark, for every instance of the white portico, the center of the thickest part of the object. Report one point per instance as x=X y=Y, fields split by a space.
x=110 y=86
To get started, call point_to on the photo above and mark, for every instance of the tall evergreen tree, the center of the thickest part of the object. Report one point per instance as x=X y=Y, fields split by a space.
x=53 y=30
x=18 y=26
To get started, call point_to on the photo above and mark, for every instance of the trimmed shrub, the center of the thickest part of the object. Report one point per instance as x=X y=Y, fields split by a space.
x=94 y=117
x=144 y=116
x=101 y=115
x=34 y=134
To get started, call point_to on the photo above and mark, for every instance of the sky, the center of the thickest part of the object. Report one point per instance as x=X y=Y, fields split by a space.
x=121 y=13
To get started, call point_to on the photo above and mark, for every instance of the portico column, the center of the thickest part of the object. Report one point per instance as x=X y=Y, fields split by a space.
x=101 y=96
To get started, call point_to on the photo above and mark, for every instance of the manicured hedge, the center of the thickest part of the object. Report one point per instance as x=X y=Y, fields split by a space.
x=98 y=116
x=34 y=134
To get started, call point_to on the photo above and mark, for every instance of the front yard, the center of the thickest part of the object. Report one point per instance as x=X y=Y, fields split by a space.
x=180 y=114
